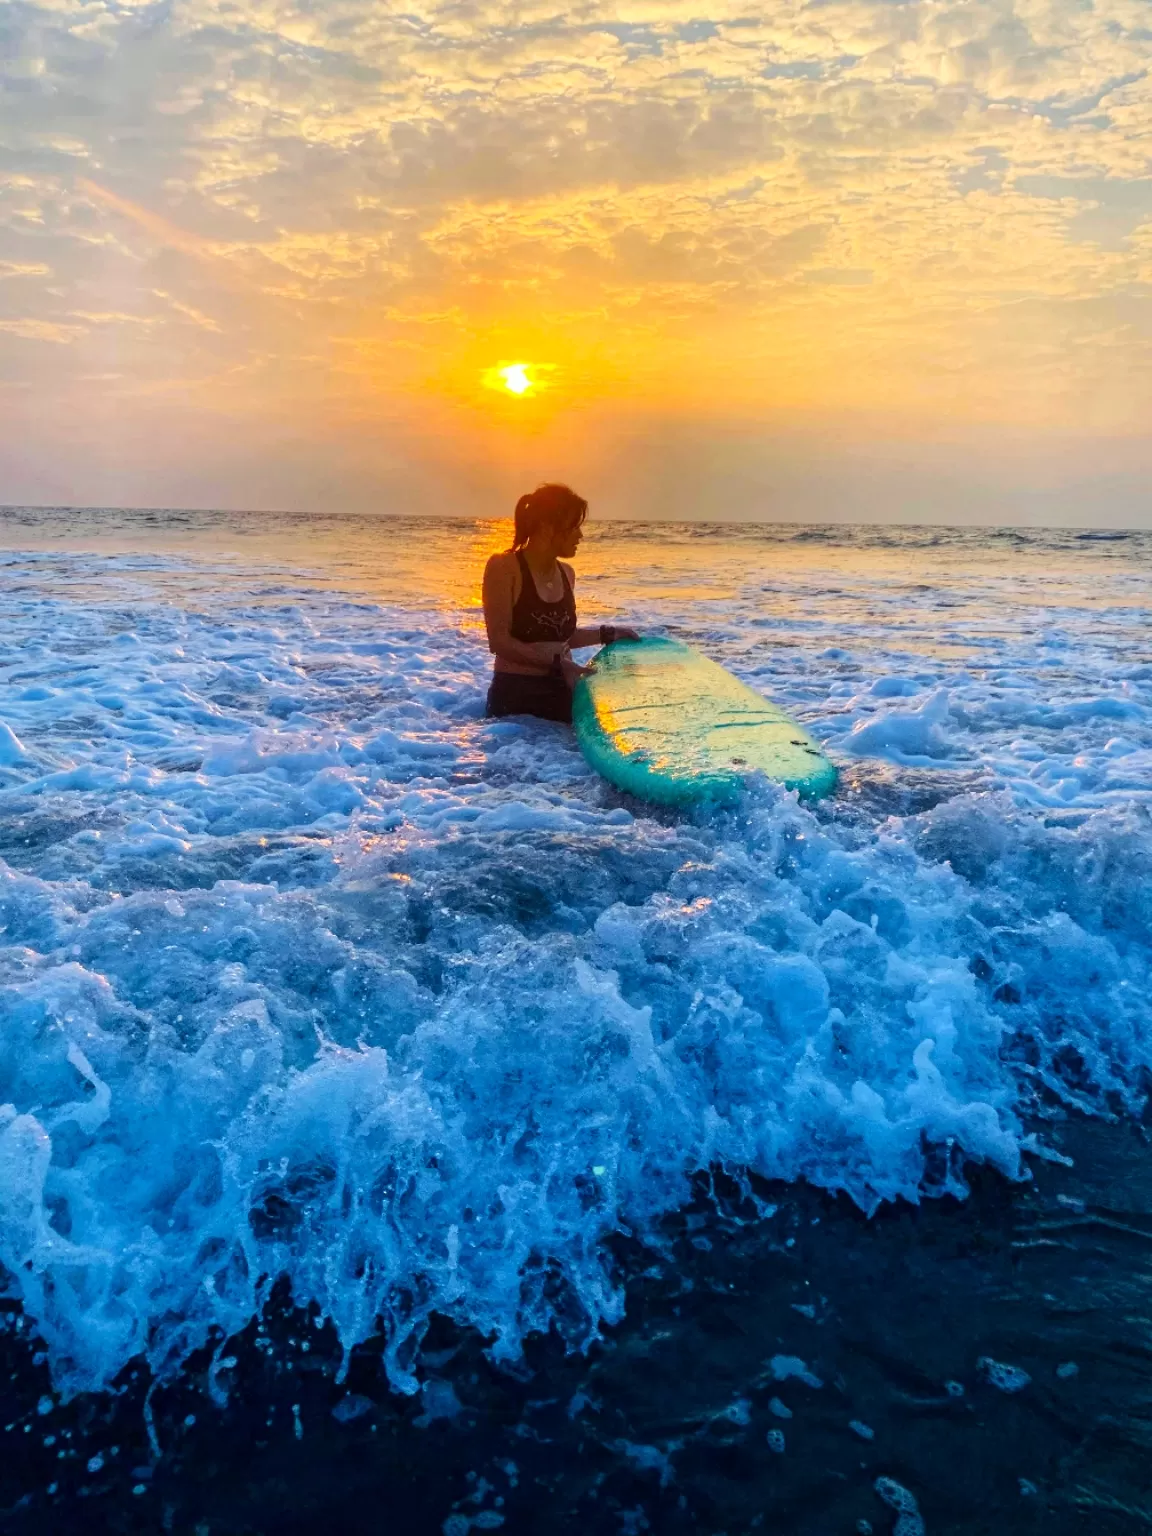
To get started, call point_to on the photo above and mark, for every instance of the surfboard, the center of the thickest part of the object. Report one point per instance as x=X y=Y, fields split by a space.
x=661 y=721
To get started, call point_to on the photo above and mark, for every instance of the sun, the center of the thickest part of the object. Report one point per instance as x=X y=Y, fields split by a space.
x=523 y=381
x=515 y=378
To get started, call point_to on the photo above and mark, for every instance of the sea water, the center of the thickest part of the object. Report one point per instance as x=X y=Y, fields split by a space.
x=311 y=972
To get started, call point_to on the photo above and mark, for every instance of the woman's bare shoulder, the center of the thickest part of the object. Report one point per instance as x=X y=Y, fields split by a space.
x=570 y=570
x=502 y=560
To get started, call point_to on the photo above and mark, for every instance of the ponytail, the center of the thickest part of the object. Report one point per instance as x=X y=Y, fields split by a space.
x=524 y=523
x=548 y=505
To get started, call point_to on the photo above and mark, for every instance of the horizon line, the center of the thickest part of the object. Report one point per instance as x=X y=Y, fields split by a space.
x=673 y=522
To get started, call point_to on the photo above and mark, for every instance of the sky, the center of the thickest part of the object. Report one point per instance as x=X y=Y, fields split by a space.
x=844 y=260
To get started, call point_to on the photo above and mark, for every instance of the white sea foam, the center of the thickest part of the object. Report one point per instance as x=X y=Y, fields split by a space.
x=308 y=970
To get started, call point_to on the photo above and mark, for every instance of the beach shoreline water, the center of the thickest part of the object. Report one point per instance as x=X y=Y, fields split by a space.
x=310 y=970
x=866 y=1347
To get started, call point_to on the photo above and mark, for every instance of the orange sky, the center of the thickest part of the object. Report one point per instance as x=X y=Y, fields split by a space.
x=846 y=259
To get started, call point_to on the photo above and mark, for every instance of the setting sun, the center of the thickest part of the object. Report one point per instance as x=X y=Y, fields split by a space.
x=516 y=379
x=523 y=380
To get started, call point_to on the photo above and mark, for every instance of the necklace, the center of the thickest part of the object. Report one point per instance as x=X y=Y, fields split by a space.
x=545 y=586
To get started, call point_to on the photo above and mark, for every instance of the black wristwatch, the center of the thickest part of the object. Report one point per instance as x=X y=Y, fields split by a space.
x=607 y=634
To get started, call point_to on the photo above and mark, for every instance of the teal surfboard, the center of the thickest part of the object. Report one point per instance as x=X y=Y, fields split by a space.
x=663 y=722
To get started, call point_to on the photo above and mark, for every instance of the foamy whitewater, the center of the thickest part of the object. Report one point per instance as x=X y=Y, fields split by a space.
x=309 y=970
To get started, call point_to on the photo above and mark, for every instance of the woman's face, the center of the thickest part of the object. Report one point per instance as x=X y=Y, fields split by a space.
x=567 y=538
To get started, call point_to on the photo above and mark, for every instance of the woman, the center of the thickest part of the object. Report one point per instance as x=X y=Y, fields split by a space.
x=530 y=609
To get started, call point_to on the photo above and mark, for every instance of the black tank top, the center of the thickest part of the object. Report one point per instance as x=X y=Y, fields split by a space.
x=533 y=618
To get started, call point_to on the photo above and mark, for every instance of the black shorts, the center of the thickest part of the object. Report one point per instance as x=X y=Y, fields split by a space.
x=513 y=693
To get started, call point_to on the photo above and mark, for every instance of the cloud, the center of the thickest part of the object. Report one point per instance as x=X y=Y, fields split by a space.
x=42 y=330
x=160 y=230
x=938 y=210
x=23 y=269
x=1108 y=209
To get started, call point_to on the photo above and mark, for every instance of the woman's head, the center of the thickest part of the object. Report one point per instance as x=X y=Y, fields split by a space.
x=553 y=513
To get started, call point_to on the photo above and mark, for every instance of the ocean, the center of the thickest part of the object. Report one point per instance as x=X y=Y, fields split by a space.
x=402 y=1130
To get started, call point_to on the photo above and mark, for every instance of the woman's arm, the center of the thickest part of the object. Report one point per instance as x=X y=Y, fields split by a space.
x=591 y=635
x=497 y=596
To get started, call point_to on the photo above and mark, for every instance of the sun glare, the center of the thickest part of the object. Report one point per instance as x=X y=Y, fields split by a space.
x=516 y=378
x=521 y=381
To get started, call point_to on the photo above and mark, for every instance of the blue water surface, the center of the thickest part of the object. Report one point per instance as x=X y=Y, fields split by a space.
x=311 y=972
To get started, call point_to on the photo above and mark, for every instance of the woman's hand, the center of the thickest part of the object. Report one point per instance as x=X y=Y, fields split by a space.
x=623 y=633
x=571 y=669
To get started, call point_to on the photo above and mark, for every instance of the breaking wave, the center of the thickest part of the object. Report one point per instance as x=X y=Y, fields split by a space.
x=310 y=971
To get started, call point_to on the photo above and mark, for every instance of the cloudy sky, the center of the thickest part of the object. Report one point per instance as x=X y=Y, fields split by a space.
x=849 y=258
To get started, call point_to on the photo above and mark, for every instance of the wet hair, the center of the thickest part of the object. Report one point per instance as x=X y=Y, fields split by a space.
x=556 y=506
